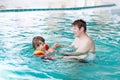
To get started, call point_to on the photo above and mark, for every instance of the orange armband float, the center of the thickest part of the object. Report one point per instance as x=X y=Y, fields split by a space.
x=46 y=47
x=39 y=53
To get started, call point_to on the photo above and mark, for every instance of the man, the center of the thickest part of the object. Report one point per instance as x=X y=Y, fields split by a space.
x=85 y=48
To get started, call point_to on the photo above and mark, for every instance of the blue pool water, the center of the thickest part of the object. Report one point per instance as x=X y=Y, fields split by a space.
x=16 y=56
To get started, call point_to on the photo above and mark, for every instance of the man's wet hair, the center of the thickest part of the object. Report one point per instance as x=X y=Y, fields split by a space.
x=80 y=23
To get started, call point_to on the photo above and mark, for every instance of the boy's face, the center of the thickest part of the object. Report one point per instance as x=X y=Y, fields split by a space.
x=42 y=45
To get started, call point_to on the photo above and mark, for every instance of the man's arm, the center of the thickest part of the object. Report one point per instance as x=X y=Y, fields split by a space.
x=72 y=50
x=63 y=46
x=71 y=53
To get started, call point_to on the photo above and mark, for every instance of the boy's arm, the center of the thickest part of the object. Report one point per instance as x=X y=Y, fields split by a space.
x=53 y=48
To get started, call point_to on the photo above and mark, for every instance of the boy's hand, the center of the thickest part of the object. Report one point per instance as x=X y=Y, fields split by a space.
x=56 y=45
x=51 y=50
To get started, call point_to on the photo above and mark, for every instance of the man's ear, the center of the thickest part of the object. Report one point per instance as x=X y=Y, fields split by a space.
x=82 y=29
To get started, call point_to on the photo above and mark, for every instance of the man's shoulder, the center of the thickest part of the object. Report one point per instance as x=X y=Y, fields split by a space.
x=90 y=40
x=91 y=43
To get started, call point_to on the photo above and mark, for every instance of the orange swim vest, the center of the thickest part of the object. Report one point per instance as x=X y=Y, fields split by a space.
x=40 y=52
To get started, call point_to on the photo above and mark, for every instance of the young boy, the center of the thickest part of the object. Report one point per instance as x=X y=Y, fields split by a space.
x=42 y=49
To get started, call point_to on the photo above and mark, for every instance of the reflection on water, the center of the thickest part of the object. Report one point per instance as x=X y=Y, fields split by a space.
x=18 y=29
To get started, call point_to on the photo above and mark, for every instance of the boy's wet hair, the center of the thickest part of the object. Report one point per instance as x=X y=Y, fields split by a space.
x=80 y=23
x=36 y=41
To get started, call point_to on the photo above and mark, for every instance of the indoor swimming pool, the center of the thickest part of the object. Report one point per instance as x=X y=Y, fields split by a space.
x=16 y=54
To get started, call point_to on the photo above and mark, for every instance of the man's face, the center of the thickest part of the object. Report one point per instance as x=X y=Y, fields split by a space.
x=76 y=30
